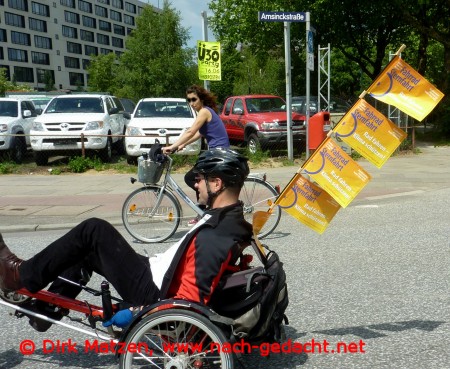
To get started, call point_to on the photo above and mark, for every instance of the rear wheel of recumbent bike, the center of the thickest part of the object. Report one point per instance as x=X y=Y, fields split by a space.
x=145 y=220
x=176 y=338
x=259 y=195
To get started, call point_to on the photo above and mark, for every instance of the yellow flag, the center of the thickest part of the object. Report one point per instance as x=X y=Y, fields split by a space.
x=209 y=64
x=400 y=85
x=369 y=132
x=308 y=203
x=336 y=172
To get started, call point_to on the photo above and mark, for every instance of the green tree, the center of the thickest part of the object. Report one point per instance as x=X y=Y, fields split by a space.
x=102 y=71
x=157 y=61
x=48 y=80
x=4 y=83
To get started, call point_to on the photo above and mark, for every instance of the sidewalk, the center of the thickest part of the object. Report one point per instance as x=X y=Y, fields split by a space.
x=40 y=202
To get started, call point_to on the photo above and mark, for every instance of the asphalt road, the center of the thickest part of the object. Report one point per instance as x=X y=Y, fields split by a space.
x=376 y=280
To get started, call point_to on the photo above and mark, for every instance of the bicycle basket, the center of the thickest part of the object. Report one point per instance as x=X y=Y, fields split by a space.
x=149 y=171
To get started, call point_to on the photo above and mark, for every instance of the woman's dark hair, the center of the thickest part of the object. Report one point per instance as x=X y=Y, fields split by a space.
x=208 y=98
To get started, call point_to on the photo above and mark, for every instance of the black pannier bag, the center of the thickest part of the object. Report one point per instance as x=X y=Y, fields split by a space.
x=256 y=298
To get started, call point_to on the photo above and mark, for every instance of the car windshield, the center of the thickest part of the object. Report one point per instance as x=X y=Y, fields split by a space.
x=40 y=103
x=8 y=109
x=264 y=104
x=75 y=105
x=163 y=109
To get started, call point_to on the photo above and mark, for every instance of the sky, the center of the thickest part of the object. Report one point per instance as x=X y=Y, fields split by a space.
x=191 y=18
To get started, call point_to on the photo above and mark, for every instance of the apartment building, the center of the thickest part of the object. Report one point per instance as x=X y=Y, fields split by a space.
x=57 y=38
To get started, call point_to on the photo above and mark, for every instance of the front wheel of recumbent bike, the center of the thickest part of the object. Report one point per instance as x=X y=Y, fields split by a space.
x=259 y=195
x=145 y=220
x=175 y=338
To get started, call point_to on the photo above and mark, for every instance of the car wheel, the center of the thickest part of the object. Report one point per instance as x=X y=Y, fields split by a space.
x=253 y=144
x=17 y=150
x=132 y=160
x=40 y=158
x=106 y=153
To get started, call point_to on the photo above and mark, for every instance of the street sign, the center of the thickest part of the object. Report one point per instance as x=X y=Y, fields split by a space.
x=281 y=16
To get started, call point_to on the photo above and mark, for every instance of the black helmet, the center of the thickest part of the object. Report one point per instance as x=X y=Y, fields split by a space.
x=225 y=164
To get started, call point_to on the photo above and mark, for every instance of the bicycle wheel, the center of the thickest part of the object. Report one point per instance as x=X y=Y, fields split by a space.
x=144 y=222
x=259 y=195
x=176 y=338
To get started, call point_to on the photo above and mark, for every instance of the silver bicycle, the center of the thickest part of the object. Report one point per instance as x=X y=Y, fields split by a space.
x=153 y=213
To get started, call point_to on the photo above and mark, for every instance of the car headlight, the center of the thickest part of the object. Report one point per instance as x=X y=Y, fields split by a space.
x=270 y=125
x=135 y=131
x=91 y=126
x=37 y=126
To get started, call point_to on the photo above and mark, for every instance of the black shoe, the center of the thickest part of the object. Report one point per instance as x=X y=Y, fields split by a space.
x=46 y=309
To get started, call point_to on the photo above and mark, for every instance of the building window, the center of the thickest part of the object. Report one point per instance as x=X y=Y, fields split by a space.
x=128 y=19
x=129 y=30
x=71 y=17
x=115 y=15
x=23 y=74
x=140 y=10
x=74 y=48
x=37 y=25
x=103 y=2
x=43 y=42
x=1 y=53
x=70 y=62
x=89 y=22
x=17 y=55
x=14 y=20
x=117 y=4
x=104 y=26
x=90 y=50
x=117 y=42
x=69 y=32
x=101 y=11
x=87 y=35
x=105 y=51
x=68 y=3
x=118 y=53
x=3 y=36
x=76 y=79
x=84 y=6
x=102 y=39
x=40 y=58
x=131 y=8
x=18 y=4
x=40 y=9
x=20 y=38
x=86 y=63
x=119 y=30
x=40 y=74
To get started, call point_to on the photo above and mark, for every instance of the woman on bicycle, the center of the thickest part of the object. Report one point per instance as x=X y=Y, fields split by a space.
x=207 y=124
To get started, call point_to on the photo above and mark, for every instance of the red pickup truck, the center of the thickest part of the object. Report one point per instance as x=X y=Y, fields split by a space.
x=260 y=122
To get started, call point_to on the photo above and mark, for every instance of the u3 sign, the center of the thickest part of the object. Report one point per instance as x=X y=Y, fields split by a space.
x=209 y=61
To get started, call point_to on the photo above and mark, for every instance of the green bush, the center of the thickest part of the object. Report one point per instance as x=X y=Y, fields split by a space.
x=7 y=167
x=78 y=164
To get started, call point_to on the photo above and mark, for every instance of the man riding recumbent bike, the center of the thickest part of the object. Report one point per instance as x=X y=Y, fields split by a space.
x=185 y=308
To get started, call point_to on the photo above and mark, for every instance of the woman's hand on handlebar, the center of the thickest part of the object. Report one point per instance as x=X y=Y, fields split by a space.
x=170 y=149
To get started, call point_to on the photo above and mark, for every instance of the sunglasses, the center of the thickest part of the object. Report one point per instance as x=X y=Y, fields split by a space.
x=194 y=99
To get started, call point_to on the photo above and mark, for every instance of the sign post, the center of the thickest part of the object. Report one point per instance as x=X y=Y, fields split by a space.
x=287 y=18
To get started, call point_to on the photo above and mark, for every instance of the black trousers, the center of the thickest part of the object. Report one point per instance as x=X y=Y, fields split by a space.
x=95 y=246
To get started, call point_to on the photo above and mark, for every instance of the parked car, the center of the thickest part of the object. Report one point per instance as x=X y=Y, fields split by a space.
x=158 y=118
x=58 y=130
x=260 y=121
x=128 y=105
x=16 y=118
x=337 y=105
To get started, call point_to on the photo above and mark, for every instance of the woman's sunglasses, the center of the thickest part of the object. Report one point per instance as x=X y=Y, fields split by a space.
x=194 y=99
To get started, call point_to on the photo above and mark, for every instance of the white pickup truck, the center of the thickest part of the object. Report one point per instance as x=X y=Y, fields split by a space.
x=16 y=118
x=70 y=123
